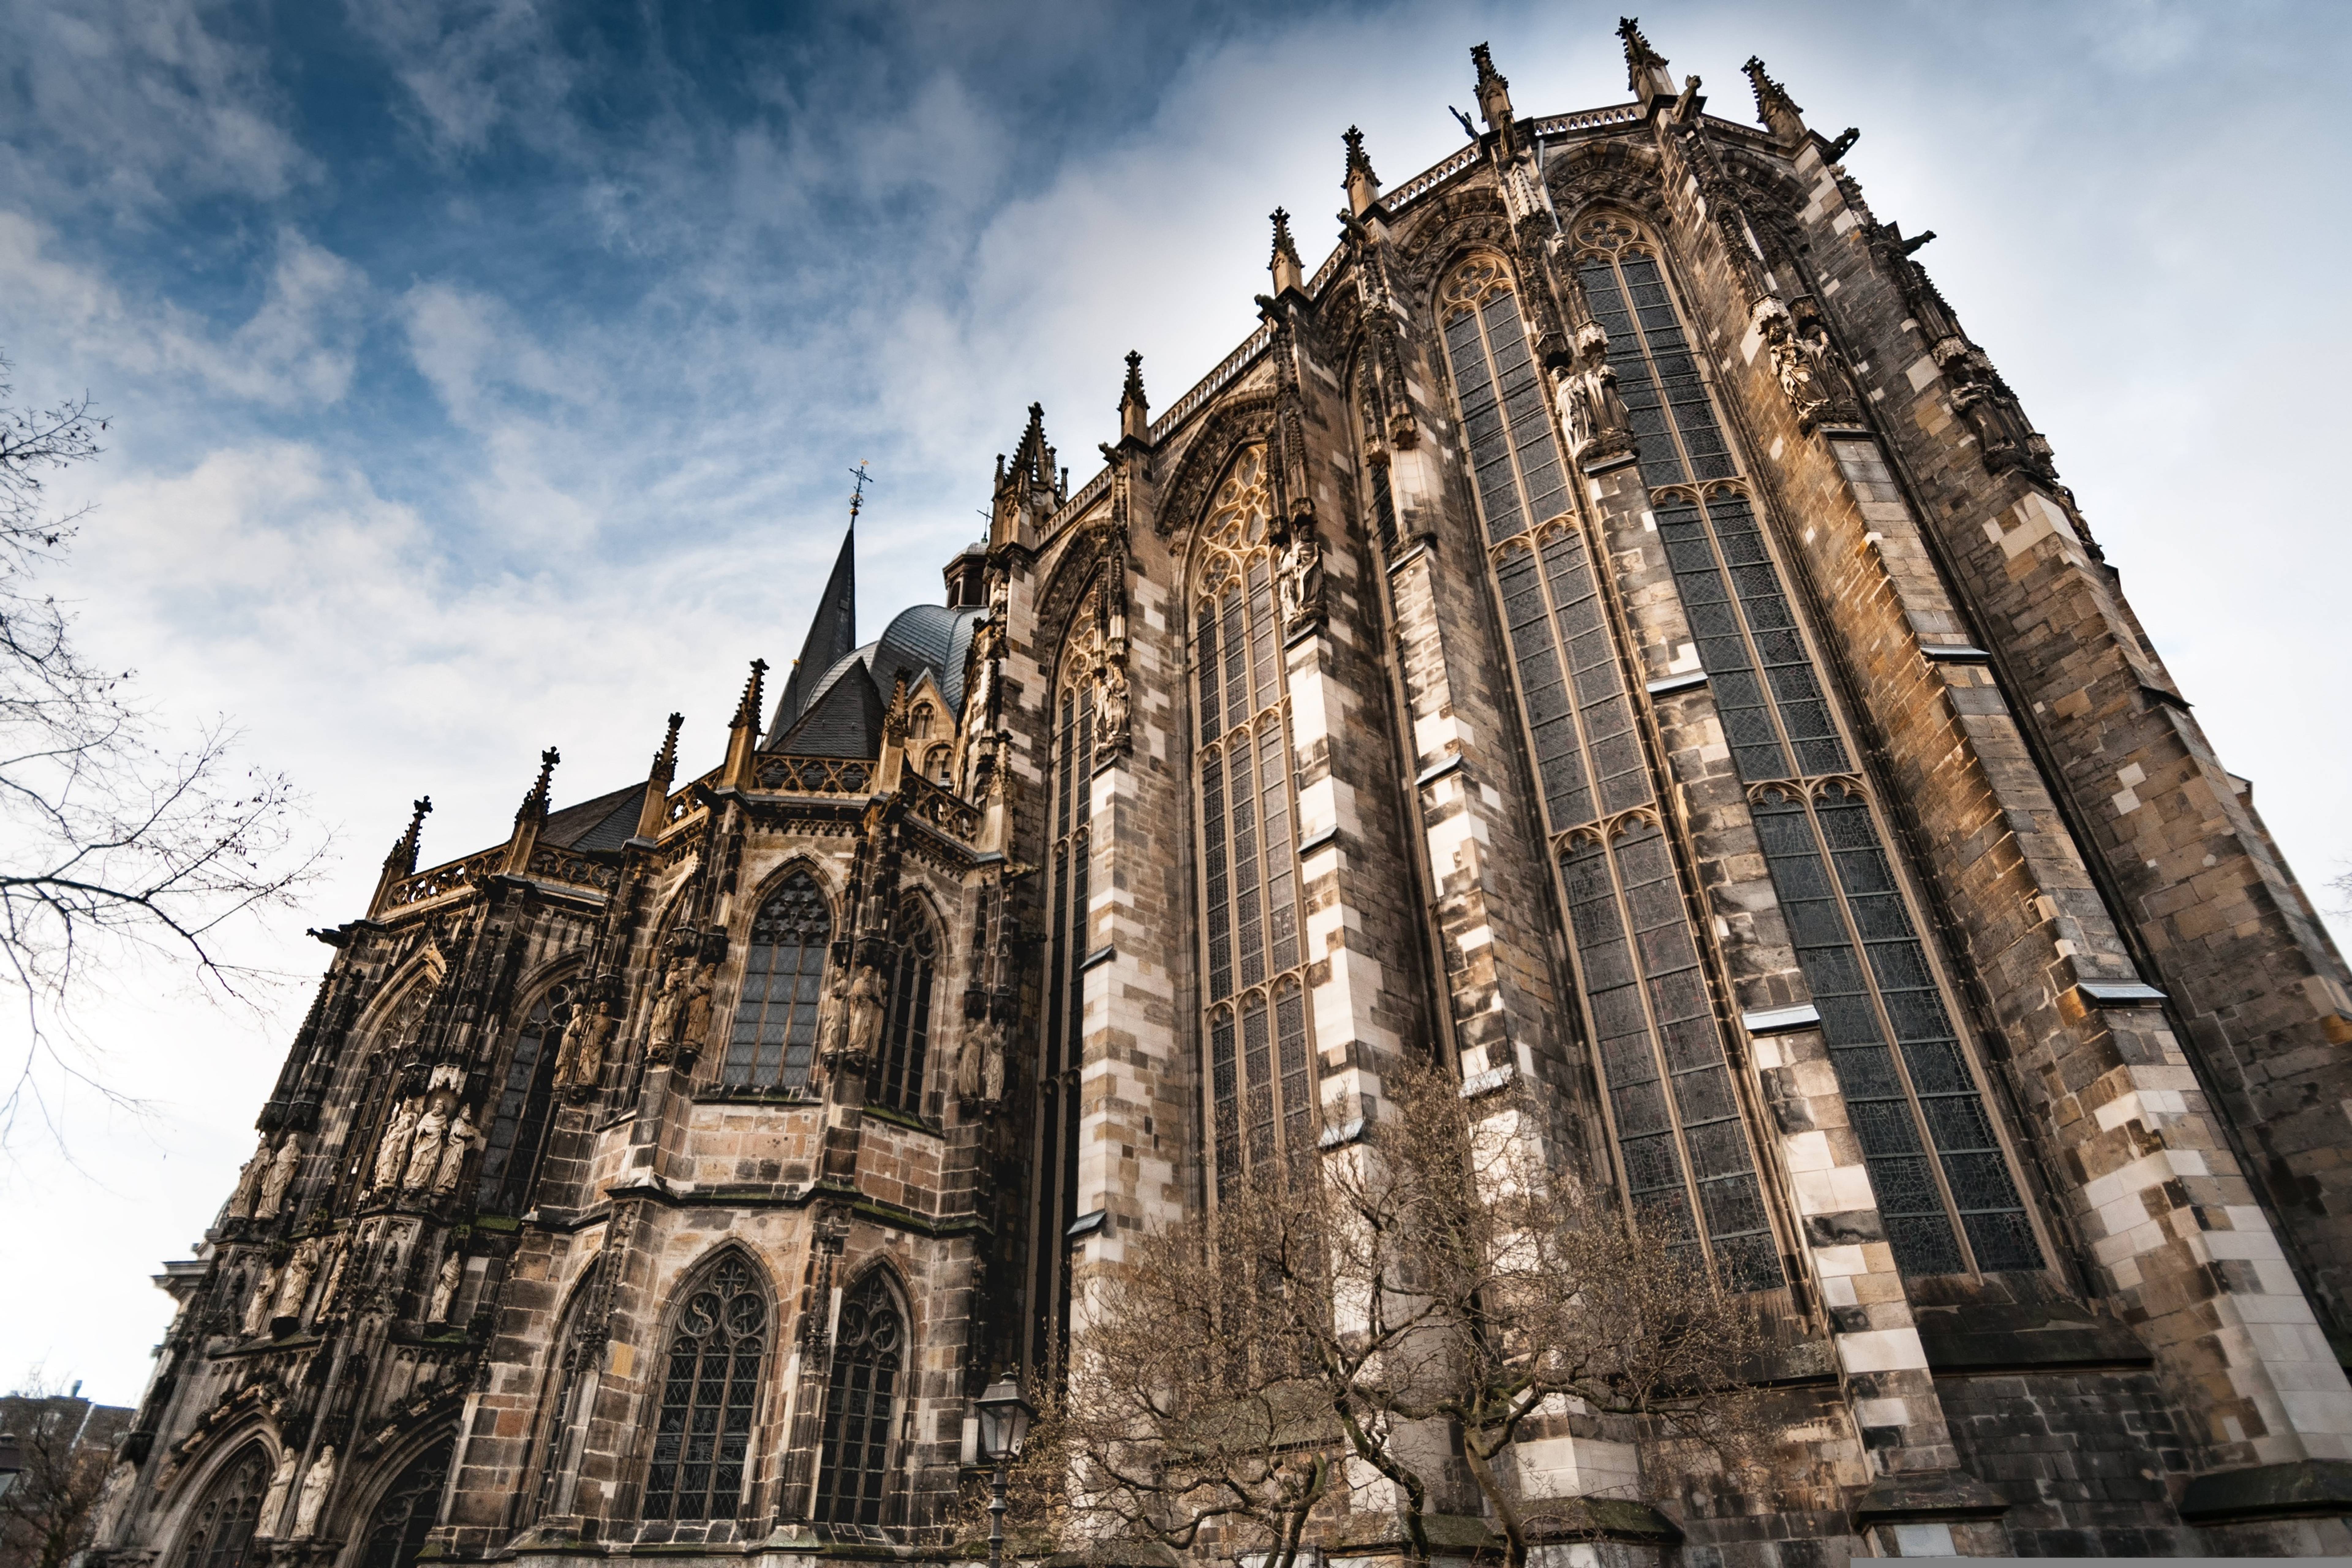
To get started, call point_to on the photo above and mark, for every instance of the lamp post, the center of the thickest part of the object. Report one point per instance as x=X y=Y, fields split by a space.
x=1003 y=1427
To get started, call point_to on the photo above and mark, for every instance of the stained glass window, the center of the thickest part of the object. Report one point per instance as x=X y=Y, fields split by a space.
x=897 y=1071
x=404 y=1515
x=222 y=1531
x=709 y=1392
x=774 y=1036
x=1674 y=429
x=1261 y=1078
x=868 y=1355
x=517 y=1135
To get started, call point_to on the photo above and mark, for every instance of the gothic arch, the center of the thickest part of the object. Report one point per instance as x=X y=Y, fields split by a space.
x=406 y=1489
x=718 y=1358
x=828 y=882
x=1613 y=173
x=211 y=1488
x=1462 y=219
x=518 y=1111
x=867 y=1385
x=1237 y=422
x=908 y=1059
x=1068 y=586
x=780 y=1052
x=573 y=1352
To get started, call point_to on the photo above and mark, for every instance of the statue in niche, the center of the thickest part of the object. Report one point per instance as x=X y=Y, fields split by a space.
x=580 y=1062
x=294 y=1282
x=424 y=1144
x=273 y=1502
x=316 y=1483
x=392 y=1153
x=258 y=1305
x=1299 y=578
x=280 y=1178
x=980 y=1065
x=669 y=1006
x=444 y=1289
x=1790 y=365
x=459 y=1143
x=334 y=1284
x=1598 y=422
x=1112 y=709
x=868 y=994
x=1831 y=377
x=248 y=1180
x=694 y=1014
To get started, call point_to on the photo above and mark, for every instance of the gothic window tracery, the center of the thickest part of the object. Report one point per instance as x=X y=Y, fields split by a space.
x=710 y=1391
x=517 y=1135
x=1262 y=1091
x=773 y=1039
x=869 y=1354
x=1682 y=1137
x=900 y=1067
x=1674 y=429
x=1942 y=1179
x=221 y=1531
x=405 y=1514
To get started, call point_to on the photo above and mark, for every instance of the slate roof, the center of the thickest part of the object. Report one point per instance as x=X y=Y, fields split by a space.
x=923 y=638
x=602 y=824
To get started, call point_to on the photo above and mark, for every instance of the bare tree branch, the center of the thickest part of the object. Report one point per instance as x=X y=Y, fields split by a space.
x=116 y=845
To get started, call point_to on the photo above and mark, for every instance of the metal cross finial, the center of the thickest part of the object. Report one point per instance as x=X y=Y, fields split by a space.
x=857 y=500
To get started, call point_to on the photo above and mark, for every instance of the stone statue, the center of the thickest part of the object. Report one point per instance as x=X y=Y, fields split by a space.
x=280 y=1178
x=334 y=1277
x=1790 y=365
x=669 y=1003
x=1112 y=709
x=424 y=1146
x=580 y=1061
x=1300 y=578
x=1596 y=416
x=695 y=1014
x=462 y=1135
x=393 y=1151
x=982 y=1038
x=257 y=1306
x=273 y=1502
x=444 y=1289
x=248 y=1180
x=991 y=1068
x=316 y=1483
x=869 y=996
x=294 y=1282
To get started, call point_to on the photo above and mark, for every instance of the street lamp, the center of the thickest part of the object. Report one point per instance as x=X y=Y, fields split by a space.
x=1003 y=1427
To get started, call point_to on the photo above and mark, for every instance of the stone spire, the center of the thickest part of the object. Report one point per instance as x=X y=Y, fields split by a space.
x=1778 y=111
x=1645 y=69
x=402 y=862
x=1363 y=185
x=1134 y=408
x=530 y=815
x=1030 y=488
x=1494 y=91
x=832 y=636
x=1290 y=273
x=653 y=816
x=743 y=729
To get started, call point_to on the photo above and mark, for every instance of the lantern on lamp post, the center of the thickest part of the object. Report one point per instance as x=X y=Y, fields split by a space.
x=1003 y=1427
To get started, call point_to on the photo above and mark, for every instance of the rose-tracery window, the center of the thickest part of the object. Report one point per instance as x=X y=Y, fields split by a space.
x=709 y=1394
x=517 y=1136
x=774 y=1036
x=1690 y=1171
x=869 y=1352
x=221 y=1529
x=1261 y=1083
x=898 y=1072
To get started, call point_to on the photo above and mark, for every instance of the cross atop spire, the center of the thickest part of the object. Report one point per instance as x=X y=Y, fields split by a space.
x=1363 y=186
x=1645 y=69
x=1288 y=271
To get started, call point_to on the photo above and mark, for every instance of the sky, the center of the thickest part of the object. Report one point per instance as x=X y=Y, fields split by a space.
x=485 y=376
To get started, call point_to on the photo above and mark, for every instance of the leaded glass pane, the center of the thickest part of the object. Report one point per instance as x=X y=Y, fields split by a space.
x=710 y=1389
x=775 y=1033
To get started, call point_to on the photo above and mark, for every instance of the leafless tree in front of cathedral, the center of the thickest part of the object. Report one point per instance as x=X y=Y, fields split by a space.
x=1433 y=1289
x=119 y=844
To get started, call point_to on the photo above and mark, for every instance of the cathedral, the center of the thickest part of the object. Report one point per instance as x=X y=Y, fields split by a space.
x=1609 y=631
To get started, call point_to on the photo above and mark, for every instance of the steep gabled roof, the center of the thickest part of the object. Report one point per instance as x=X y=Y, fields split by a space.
x=593 y=825
x=843 y=719
x=832 y=636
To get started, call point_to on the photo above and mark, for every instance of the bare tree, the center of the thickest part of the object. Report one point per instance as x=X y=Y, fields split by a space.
x=67 y=1446
x=114 y=843
x=1436 y=1289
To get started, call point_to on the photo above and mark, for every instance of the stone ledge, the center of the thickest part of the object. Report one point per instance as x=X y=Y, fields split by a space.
x=1936 y=1496
x=1994 y=1337
x=2301 y=1487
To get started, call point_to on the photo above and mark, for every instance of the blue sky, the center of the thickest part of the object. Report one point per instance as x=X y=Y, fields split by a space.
x=485 y=375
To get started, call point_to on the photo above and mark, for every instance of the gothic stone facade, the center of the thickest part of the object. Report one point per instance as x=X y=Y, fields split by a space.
x=1610 y=629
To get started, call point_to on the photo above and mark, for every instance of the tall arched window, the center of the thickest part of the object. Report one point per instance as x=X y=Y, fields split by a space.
x=222 y=1528
x=869 y=1352
x=517 y=1136
x=1260 y=1085
x=1689 y=1168
x=709 y=1394
x=405 y=1515
x=783 y=974
x=1886 y=1017
x=898 y=1067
